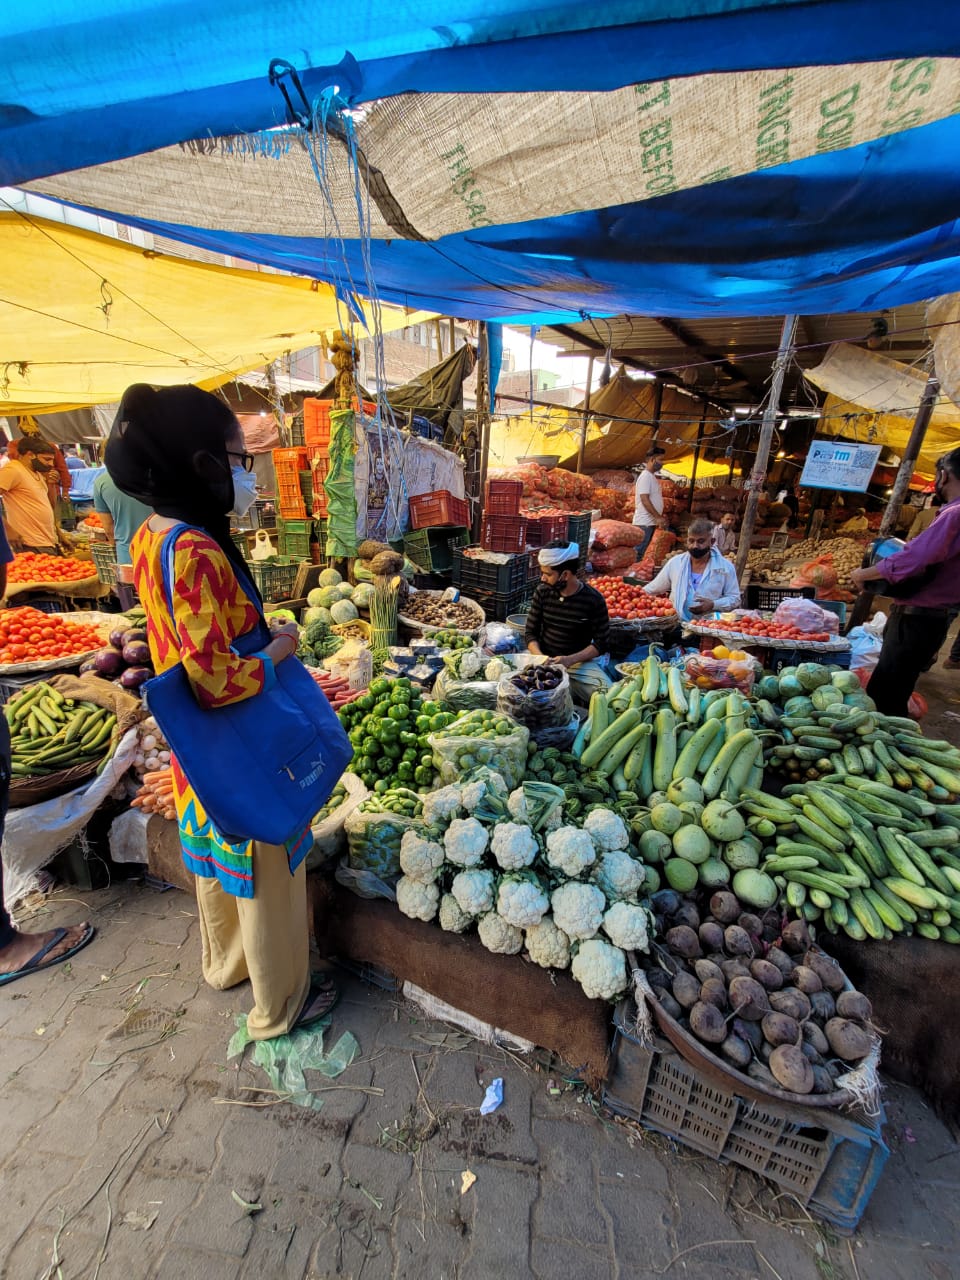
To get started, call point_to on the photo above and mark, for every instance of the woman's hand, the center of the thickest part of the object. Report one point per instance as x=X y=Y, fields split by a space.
x=281 y=627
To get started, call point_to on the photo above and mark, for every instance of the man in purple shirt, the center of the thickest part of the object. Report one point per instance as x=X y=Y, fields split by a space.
x=929 y=569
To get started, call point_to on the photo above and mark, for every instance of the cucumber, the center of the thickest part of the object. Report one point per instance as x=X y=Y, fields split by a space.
x=890 y=918
x=865 y=913
x=893 y=900
x=924 y=864
x=916 y=895
x=898 y=857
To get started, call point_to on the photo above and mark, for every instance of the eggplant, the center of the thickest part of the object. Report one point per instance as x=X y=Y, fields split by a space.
x=136 y=654
x=88 y=666
x=108 y=662
x=116 y=639
x=134 y=677
x=134 y=633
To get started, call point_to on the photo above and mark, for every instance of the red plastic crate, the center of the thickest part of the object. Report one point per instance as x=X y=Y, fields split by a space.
x=430 y=510
x=502 y=497
x=316 y=419
x=504 y=533
x=544 y=529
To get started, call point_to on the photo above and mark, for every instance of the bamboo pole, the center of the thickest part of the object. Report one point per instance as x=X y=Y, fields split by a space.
x=696 y=453
x=759 y=473
x=912 y=452
x=483 y=423
x=586 y=416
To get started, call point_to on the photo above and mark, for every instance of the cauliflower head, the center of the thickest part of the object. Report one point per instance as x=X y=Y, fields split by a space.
x=578 y=909
x=547 y=945
x=498 y=936
x=420 y=859
x=451 y=917
x=471 y=663
x=417 y=900
x=473 y=891
x=513 y=845
x=517 y=805
x=570 y=850
x=440 y=806
x=618 y=874
x=625 y=924
x=465 y=841
x=521 y=900
x=608 y=829
x=600 y=969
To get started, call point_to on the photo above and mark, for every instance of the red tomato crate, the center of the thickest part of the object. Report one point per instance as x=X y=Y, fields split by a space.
x=430 y=510
x=316 y=419
x=504 y=533
x=544 y=529
x=502 y=497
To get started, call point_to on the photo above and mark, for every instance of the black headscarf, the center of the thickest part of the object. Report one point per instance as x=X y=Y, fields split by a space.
x=150 y=456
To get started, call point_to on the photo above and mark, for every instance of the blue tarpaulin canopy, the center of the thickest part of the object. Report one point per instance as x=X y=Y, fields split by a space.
x=841 y=193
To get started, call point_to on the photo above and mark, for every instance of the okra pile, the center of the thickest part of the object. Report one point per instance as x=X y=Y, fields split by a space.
x=50 y=733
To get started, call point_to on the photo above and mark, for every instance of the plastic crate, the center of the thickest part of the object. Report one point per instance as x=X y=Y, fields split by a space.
x=829 y=1160
x=578 y=530
x=498 y=606
x=834 y=606
x=296 y=433
x=294 y=537
x=105 y=558
x=434 y=550
x=542 y=530
x=239 y=540
x=504 y=533
x=290 y=459
x=320 y=529
x=320 y=469
x=502 y=497
x=475 y=574
x=274 y=579
x=316 y=419
x=759 y=597
x=429 y=510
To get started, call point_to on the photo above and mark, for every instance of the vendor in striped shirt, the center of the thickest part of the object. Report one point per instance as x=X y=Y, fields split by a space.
x=568 y=620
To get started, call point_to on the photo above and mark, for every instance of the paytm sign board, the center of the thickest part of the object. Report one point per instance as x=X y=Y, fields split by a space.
x=840 y=464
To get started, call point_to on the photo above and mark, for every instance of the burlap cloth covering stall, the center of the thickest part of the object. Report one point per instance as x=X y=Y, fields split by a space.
x=128 y=710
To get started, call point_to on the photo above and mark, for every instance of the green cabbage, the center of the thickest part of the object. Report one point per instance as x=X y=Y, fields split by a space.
x=330 y=578
x=344 y=611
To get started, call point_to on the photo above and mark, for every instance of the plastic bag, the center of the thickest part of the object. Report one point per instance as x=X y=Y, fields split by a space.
x=559 y=736
x=865 y=645
x=353 y=663
x=819 y=573
x=373 y=841
x=481 y=738
x=721 y=673
x=497 y=637
x=464 y=695
x=329 y=836
x=364 y=883
x=538 y=709
x=807 y=616
x=614 y=533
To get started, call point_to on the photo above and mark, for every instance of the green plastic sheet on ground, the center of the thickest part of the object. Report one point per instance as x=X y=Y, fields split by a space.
x=339 y=486
x=285 y=1059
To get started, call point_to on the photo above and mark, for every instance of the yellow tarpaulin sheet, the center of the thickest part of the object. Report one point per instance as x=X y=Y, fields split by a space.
x=891 y=430
x=83 y=316
x=549 y=431
x=705 y=470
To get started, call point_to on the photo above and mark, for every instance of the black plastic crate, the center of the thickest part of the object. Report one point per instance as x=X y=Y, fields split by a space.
x=498 y=606
x=776 y=659
x=759 y=597
x=474 y=574
x=578 y=531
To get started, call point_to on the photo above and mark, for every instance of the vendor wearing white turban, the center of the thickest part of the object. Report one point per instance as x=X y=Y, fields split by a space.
x=568 y=620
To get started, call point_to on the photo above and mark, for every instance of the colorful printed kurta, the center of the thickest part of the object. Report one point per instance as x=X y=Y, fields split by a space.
x=212 y=610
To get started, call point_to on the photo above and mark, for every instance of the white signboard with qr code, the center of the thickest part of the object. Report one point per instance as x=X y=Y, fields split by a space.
x=839 y=464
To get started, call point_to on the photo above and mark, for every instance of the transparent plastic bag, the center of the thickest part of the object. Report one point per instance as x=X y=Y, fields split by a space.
x=364 y=883
x=807 y=616
x=537 y=708
x=329 y=836
x=498 y=637
x=559 y=736
x=464 y=695
x=721 y=673
x=373 y=841
x=481 y=738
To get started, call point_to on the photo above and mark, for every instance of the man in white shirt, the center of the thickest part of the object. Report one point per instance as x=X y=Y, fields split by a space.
x=648 y=499
x=700 y=580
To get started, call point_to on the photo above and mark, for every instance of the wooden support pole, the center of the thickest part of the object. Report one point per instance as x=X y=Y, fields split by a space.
x=586 y=415
x=759 y=472
x=910 y=456
x=696 y=454
x=657 y=407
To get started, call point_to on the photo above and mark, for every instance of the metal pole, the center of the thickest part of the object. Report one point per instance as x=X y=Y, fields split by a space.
x=696 y=454
x=657 y=407
x=586 y=416
x=759 y=472
x=483 y=423
x=911 y=454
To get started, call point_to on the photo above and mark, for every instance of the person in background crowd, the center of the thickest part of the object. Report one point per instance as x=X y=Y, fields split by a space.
x=24 y=953
x=792 y=501
x=73 y=460
x=924 y=517
x=926 y=580
x=700 y=580
x=724 y=534
x=180 y=451
x=648 y=498
x=568 y=620
x=57 y=476
x=857 y=523
x=30 y=521
x=121 y=517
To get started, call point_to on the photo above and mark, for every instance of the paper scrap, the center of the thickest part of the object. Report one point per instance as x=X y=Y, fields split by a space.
x=493 y=1097
x=467 y=1179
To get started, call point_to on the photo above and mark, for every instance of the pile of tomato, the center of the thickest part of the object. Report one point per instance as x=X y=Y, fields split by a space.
x=625 y=600
x=27 y=635
x=766 y=628
x=33 y=566
x=92 y=521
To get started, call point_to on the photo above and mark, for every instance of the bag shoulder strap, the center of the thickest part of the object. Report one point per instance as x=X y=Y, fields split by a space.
x=168 y=553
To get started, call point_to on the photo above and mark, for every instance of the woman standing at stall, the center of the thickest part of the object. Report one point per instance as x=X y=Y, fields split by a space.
x=180 y=451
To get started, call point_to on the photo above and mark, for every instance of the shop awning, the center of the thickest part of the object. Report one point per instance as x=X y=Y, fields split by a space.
x=83 y=316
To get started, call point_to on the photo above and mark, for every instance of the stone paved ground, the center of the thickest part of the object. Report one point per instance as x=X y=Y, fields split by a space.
x=101 y=1136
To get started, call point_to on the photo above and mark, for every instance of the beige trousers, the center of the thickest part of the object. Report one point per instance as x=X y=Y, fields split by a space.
x=264 y=938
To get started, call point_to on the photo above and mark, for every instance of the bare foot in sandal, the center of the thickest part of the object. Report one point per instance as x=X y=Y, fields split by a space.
x=29 y=953
x=321 y=999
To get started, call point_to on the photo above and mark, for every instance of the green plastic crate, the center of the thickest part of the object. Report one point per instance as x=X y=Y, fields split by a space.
x=274 y=579
x=432 y=549
x=294 y=537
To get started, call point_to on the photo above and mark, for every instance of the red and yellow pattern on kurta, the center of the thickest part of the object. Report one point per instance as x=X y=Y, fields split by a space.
x=211 y=611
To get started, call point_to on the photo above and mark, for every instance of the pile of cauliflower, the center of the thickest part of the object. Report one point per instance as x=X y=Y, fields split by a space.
x=508 y=863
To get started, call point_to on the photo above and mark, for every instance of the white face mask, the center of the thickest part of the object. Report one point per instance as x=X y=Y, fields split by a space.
x=244 y=490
